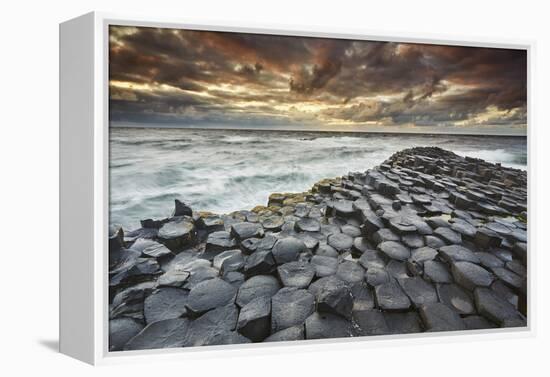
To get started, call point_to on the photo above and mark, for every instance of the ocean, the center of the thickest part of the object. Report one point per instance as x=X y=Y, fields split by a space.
x=227 y=170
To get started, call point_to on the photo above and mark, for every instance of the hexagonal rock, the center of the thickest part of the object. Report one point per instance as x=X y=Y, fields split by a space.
x=377 y=276
x=177 y=233
x=517 y=268
x=174 y=277
x=363 y=298
x=260 y=262
x=220 y=258
x=245 y=230
x=456 y=297
x=370 y=322
x=419 y=291
x=402 y=225
x=437 y=272
x=457 y=253
x=121 y=330
x=390 y=296
x=340 y=242
x=403 y=323
x=360 y=245
x=371 y=258
x=307 y=225
x=168 y=333
x=288 y=249
x=372 y=223
x=464 y=228
x=493 y=307
x=165 y=303
x=509 y=278
x=291 y=333
x=214 y=327
x=439 y=317
x=350 y=272
x=470 y=275
x=394 y=250
x=384 y=234
x=423 y=254
x=151 y=248
x=273 y=223
x=257 y=286
x=344 y=209
x=413 y=241
x=326 y=325
x=486 y=237
x=397 y=270
x=476 y=322
x=448 y=235
x=290 y=307
x=219 y=241
x=296 y=274
x=210 y=294
x=333 y=296
x=324 y=266
x=434 y=242
x=489 y=260
x=326 y=251
x=255 y=319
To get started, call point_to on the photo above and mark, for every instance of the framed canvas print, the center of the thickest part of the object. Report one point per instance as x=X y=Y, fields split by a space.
x=229 y=188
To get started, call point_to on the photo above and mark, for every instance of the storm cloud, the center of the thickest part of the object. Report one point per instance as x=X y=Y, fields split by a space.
x=201 y=78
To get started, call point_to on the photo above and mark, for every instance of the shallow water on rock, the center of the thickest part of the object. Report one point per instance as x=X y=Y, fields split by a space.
x=227 y=170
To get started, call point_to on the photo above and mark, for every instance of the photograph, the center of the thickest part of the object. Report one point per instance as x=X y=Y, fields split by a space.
x=277 y=187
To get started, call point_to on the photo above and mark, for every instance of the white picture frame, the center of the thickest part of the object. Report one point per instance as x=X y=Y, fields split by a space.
x=84 y=189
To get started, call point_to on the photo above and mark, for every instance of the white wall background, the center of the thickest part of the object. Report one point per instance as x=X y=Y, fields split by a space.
x=29 y=183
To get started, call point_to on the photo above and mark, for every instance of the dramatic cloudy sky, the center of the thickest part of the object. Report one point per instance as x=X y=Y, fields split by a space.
x=169 y=77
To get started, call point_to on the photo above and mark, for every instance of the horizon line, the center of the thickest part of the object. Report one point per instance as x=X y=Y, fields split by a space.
x=137 y=125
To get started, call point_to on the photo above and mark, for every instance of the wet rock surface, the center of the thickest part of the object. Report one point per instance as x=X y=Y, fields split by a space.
x=427 y=241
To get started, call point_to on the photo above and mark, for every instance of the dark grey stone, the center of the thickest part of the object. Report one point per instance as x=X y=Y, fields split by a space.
x=288 y=334
x=437 y=272
x=333 y=295
x=340 y=242
x=448 y=235
x=439 y=317
x=390 y=296
x=394 y=250
x=259 y=263
x=179 y=232
x=470 y=275
x=370 y=322
x=476 y=322
x=371 y=258
x=324 y=266
x=218 y=242
x=384 y=234
x=290 y=307
x=419 y=291
x=245 y=230
x=307 y=225
x=257 y=286
x=350 y=272
x=403 y=323
x=296 y=274
x=121 y=330
x=168 y=333
x=255 y=319
x=494 y=307
x=209 y=295
x=363 y=299
x=456 y=297
x=288 y=249
x=165 y=303
x=376 y=276
x=326 y=325
x=457 y=253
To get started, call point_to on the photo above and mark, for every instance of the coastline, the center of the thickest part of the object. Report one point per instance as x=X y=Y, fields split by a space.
x=425 y=241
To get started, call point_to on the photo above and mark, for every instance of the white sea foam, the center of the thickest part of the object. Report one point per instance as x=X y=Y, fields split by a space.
x=223 y=171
